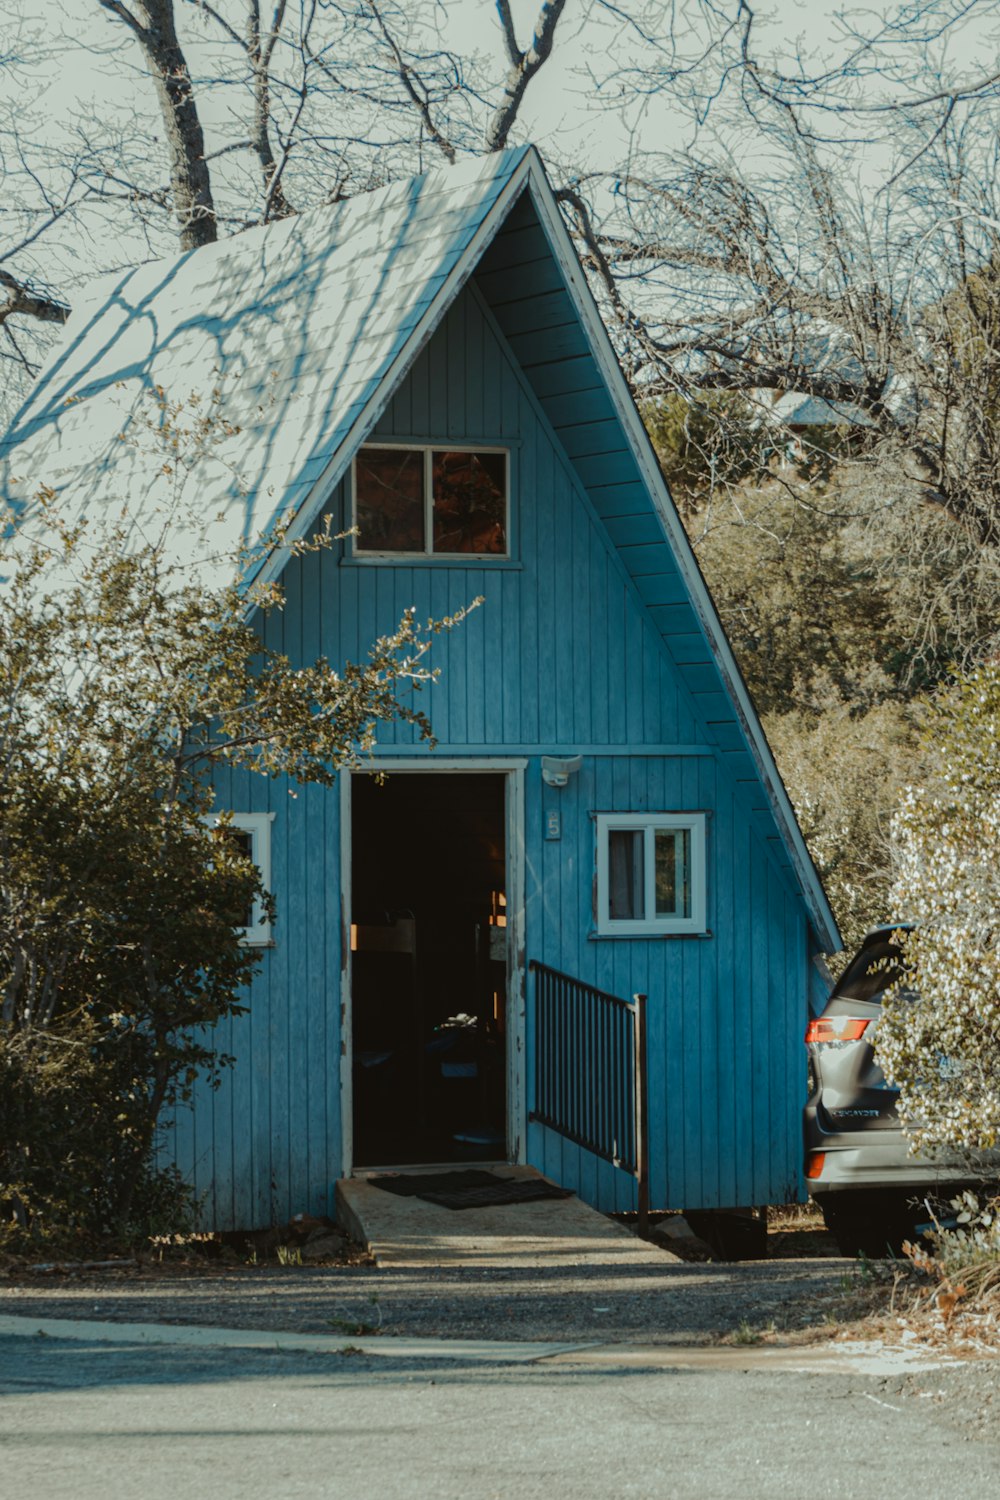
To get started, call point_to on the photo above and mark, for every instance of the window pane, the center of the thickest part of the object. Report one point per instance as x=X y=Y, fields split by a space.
x=626 y=893
x=240 y=841
x=672 y=872
x=470 y=502
x=390 y=500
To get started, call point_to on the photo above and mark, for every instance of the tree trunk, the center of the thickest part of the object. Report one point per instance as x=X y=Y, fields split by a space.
x=142 y=1151
x=523 y=67
x=189 y=179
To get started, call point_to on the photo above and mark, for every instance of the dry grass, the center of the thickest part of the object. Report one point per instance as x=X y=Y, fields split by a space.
x=943 y=1292
x=797 y=1231
x=949 y=1294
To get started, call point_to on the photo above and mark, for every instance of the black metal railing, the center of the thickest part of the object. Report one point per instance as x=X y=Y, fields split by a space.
x=590 y=1072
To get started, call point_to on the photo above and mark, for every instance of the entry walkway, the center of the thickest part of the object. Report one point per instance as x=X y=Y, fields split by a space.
x=547 y=1234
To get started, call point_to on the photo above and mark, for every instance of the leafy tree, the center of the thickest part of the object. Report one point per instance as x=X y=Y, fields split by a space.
x=939 y=1036
x=123 y=683
x=845 y=770
x=815 y=625
x=809 y=615
x=839 y=636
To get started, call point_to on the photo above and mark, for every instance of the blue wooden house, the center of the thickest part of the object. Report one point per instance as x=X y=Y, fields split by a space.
x=601 y=815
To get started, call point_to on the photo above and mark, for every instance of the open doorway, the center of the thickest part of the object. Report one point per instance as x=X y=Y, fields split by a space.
x=429 y=967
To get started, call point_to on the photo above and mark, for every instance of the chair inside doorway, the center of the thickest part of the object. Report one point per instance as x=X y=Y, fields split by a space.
x=429 y=968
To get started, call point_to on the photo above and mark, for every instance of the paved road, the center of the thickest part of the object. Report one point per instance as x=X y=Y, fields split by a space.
x=111 y=1422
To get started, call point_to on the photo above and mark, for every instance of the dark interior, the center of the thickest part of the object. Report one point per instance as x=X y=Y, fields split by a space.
x=429 y=969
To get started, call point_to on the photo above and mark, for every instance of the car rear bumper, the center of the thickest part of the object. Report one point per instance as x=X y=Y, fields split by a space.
x=849 y=1160
x=848 y=1171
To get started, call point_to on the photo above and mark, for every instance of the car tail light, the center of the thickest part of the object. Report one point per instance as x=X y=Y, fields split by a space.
x=830 y=1029
x=814 y=1166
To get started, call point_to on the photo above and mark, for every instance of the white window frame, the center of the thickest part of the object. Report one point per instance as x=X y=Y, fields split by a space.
x=428 y=450
x=650 y=823
x=258 y=825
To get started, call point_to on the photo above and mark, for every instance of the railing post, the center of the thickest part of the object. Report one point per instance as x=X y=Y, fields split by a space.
x=641 y=1115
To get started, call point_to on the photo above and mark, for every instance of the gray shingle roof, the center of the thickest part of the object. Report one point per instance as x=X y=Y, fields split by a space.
x=796 y=410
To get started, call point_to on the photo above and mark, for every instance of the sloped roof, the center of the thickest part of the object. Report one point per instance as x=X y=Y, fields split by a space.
x=305 y=329
x=297 y=325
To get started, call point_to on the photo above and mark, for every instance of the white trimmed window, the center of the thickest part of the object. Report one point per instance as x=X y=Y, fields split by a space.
x=251 y=834
x=432 y=501
x=650 y=874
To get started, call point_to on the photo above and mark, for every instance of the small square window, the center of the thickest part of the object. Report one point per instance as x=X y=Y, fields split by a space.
x=445 y=502
x=650 y=874
x=250 y=833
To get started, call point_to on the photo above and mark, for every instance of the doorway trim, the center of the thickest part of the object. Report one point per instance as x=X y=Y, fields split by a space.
x=512 y=769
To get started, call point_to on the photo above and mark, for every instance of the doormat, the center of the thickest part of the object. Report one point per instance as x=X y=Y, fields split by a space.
x=469 y=1189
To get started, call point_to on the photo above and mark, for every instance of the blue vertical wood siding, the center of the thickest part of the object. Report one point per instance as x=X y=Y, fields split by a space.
x=585 y=639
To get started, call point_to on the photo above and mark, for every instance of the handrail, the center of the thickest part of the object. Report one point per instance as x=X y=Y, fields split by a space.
x=591 y=1082
x=580 y=984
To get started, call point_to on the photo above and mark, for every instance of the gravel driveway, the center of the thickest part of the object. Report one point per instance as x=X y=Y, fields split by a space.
x=672 y=1303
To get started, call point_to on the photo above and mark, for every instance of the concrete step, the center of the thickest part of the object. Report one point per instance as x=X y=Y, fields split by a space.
x=547 y=1233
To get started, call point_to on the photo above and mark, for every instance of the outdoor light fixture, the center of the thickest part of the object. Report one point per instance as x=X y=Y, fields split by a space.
x=556 y=770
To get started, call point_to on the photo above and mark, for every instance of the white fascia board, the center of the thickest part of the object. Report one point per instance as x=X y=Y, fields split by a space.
x=319 y=495
x=642 y=450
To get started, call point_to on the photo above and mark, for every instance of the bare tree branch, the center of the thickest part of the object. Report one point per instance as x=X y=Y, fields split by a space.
x=275 y=193
x=514 y=54
x=596 y=255
x=220 y=20
x=23 y=300
x=410 y=80
x=16 y=354
x=260 y=52
x=127 y=17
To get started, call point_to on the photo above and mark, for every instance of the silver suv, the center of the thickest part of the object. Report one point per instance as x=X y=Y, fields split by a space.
x=859 y=1169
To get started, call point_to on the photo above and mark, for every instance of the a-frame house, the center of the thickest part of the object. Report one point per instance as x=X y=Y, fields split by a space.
x=426 y=365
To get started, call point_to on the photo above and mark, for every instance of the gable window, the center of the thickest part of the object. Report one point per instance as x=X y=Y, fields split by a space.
x=650 y=874
x=443 y=502
x=250 y=835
